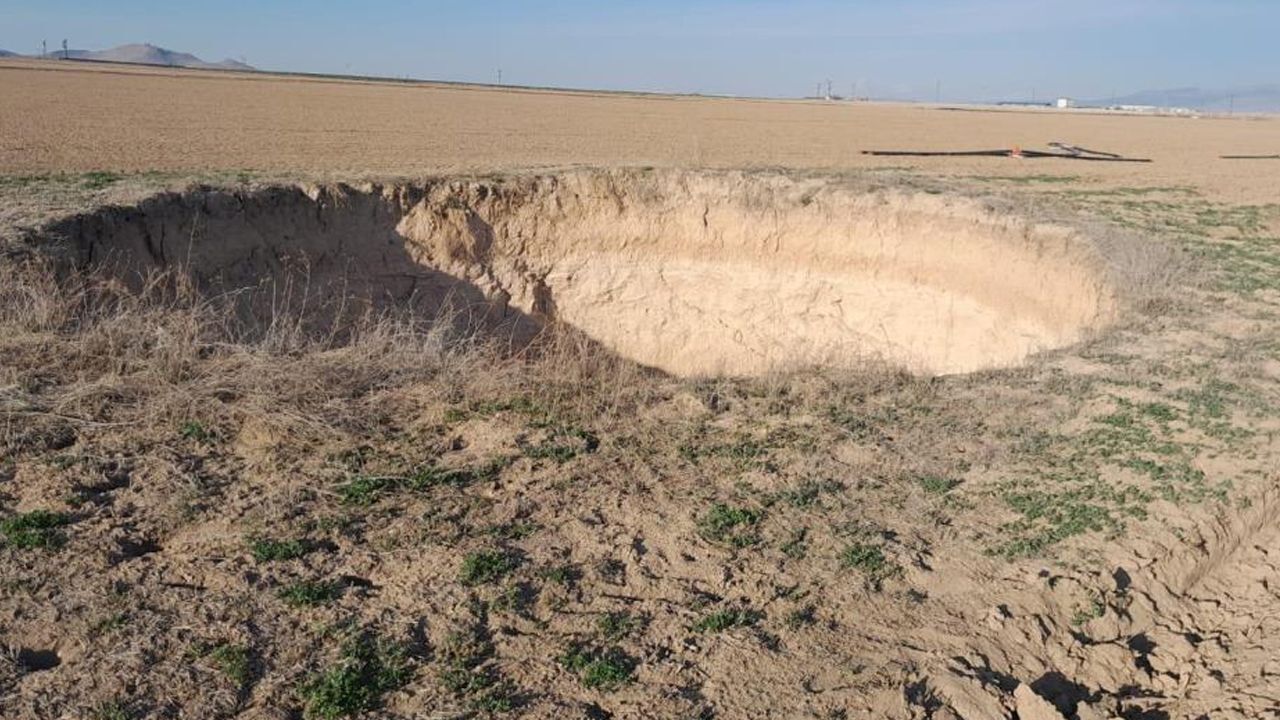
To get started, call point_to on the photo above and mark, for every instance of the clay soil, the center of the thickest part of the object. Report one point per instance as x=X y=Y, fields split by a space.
x=323 y=398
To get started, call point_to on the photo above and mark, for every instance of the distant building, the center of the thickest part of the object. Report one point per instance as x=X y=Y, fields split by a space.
x=1065 y=102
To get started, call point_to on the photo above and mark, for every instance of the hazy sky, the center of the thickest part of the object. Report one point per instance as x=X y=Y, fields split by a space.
x=976 y=49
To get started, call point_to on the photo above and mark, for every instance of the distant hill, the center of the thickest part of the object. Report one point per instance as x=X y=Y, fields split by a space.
x=6 y=53
x=146 y=54
x=1256 y=98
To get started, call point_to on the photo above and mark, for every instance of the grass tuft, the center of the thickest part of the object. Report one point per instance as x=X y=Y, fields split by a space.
x=487 y=566
x=269 y=550
x=36 y=529
x=310 y=594
x=599 y=668
x=232 y=661
x=726 y=619
x=871 y=561
x=366 y=670
x=734 y=526
x=615 y=626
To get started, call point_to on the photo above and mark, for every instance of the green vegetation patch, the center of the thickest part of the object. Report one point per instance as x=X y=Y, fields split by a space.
x=310 y=594
x=1098 y=478
x=271 y=550
x=734 y=526
x=100 y=179
x=197 y=432
x=232 y=661
x=35 y=529
x=432 y=476
x=615 y=626
x=740 y=452
x=367 y=669
x=807 y=493
x=871 y=561
x=727 y=619
x=599 y=668
x=487 y=566
x=937 y=484
x=562 y=445
x=469 y=676
x=114 y=710
x=365 y=490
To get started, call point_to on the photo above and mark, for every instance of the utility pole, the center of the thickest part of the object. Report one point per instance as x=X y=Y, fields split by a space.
x=44 y=49
x=65 y=55
x=818 y=93
x=828 y=89
x=937 y=92
x=499 y=76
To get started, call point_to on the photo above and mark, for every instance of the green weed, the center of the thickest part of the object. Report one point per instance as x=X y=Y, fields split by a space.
x=726 y=619
x=871 y=561
x=366 y=490
x=615 y=626
x=310 y=594
x=269 y=550
x=232 y=661
x=563 y=445
x=734 y=526
x=487 y=566
x=466 y=675
x=796 y=546
x=599 y=668
x=100 y=179
x=806 y=494
x=114 y=710
x=192 y=430
x=562 y=574
x=35 y=529
x=367 y=669
x=936 y=484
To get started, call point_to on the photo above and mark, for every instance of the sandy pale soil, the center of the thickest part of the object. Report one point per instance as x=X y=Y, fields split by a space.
x=548 y=443
x=80 y=118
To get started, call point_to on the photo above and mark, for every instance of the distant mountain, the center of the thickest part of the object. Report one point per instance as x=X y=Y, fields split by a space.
x=1256 y=98
x=6 y=53
x=145 y=54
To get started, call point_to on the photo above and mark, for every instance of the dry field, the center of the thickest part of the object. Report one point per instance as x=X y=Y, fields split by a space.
x=323 y=399
x=87 y=118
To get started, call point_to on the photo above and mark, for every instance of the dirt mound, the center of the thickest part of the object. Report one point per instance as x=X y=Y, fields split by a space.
x=694 y=274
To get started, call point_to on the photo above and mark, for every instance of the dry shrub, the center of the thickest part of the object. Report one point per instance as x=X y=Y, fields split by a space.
x=1150 y=273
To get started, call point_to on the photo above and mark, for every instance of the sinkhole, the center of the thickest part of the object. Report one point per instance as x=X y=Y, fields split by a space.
x=692 y=273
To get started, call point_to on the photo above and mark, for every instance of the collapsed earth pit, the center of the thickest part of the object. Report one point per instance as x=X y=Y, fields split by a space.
x=695 y=274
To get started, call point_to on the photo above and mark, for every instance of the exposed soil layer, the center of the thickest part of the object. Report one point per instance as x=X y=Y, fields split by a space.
x=694 y=274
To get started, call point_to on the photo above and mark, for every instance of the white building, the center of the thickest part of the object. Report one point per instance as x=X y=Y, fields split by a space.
x=1065 y=102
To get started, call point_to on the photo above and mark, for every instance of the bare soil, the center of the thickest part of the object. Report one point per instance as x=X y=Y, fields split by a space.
x=462 y=446
x=76 y=118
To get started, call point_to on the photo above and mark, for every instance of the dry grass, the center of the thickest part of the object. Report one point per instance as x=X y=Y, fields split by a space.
x=849 y=516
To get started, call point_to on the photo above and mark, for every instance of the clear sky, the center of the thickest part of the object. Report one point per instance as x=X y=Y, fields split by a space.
x=975 y=49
